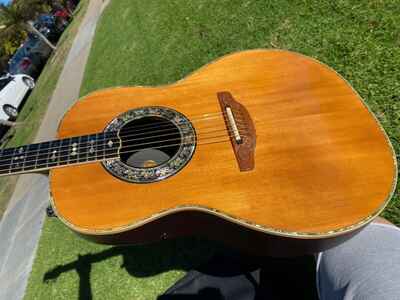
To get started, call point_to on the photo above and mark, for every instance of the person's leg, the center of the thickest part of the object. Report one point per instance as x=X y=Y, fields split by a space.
x=365 y=267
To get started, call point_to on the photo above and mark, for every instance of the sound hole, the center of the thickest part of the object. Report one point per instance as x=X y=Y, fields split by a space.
x=149 y=142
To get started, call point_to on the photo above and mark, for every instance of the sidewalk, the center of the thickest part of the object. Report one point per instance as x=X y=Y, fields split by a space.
x=22 y=222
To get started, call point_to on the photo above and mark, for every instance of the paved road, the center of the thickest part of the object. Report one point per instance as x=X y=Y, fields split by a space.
x=21 y=224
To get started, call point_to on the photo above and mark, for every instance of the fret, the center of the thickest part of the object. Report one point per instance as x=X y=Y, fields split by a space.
x=36 y=156
x=99 y=146
x=31 y=157
x=17 y=160
x=41 y=158
x=5 y=160
x=53 y=153
x=64 y=151
x=73 y=150
x=111 y=144
x=91 y=147
x=83 y=149
x=12 y=160
x=23 y=157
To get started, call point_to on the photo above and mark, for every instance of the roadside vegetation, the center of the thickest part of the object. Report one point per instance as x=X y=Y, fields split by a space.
x=29 y=119
x=157 y=42
x=14 y=21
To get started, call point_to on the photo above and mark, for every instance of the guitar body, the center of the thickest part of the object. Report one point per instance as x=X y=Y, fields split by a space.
x=322 y=168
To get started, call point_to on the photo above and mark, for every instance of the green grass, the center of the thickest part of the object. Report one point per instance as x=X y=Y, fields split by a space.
x=67 y=267
x=35 y=107
x=156 y=42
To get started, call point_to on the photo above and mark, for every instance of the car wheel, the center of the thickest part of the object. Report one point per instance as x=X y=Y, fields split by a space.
x=10 y=111
x=29 y=82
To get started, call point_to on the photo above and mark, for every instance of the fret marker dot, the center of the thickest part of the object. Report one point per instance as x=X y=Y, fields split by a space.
x=74 y=148
x=110 y=143
x=91 y=149
x=53 y=157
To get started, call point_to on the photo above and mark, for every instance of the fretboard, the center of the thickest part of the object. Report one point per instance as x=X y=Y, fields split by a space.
x=58 y=153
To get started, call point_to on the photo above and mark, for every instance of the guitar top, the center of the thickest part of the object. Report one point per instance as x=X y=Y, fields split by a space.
x=269 y=140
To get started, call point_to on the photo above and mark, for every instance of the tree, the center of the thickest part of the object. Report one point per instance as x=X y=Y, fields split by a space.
x=10 y=43
x=66 y=5
x=17 y=18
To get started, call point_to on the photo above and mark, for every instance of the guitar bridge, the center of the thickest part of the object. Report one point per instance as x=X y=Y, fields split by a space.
x=241 y=130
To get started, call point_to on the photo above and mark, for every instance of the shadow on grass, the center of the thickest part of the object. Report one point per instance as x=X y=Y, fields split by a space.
x=267 y=276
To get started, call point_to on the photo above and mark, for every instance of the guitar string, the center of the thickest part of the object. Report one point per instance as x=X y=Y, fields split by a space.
x=152 y=125
x=95 y=147
x=170 y=145
x=199 y=117
x=46 y=166
x=104 y=142
x=67 y=155
x=107 y=156
x=167 y=122
x=171 y=126
x=174 y=133
x=167 y=140
x=124 y=147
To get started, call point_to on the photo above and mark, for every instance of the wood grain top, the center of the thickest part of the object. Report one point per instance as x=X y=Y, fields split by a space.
x=323 y=164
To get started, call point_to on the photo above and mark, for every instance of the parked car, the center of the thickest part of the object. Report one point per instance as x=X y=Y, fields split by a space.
x=30 y=57
x=36 y=46
x=62 y=20
x=13 y=89
x=51 y=26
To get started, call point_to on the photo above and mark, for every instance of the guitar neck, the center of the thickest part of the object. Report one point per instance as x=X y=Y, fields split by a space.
x=58 y=153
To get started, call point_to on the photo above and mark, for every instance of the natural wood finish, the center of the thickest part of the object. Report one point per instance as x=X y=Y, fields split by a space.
x=322 y=161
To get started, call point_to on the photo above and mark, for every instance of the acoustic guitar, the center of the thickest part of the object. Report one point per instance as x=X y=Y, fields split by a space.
x=267 y=150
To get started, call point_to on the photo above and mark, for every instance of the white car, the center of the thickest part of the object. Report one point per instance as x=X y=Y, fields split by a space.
x=13 y=89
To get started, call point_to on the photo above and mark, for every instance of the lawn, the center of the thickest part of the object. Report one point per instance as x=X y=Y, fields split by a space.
x=35 y=107
x=157 y=42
